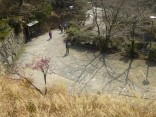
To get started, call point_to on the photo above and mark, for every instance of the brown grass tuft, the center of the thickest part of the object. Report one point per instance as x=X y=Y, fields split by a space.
x=19 y=100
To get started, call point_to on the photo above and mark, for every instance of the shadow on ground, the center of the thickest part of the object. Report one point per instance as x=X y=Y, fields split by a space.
x=84 y=47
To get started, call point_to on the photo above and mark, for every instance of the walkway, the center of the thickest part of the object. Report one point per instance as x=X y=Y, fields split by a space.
x=89 y=71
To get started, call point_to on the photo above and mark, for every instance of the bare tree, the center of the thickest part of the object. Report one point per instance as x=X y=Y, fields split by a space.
x=114 y=13
x=110 y=12
x=134 y=16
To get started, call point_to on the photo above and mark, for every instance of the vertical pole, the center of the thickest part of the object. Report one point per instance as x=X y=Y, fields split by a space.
x=151 y=35
x=29 y=34
x=150 y=41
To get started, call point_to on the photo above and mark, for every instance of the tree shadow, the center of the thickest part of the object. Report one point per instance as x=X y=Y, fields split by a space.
x=80 y=78
x=126 y=72
x=102 y=58
x=87 y=65
x=122 y=79
x=125 y=59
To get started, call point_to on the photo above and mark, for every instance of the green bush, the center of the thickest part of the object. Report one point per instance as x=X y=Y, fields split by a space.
x=43 y=12
x=79 y=36
x=138 y=45
x=4 y=29
x=16 y=25
x=3 y=25
x=74 y=24
x=40 y=16
x=86 y=35
x=73 y=31
x=127 y=46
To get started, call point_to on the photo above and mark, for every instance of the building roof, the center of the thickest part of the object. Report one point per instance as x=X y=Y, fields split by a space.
x=152 y=17
x=32 y=23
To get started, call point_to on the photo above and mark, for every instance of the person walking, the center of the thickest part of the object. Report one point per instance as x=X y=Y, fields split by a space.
x=65 y=27
x=50 y=34
x=61 y=28
x=68 y=44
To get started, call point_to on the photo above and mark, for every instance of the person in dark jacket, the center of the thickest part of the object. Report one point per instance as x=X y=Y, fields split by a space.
x=61 y=28
x=68 y=44
x=65 y=26
x=50 y=34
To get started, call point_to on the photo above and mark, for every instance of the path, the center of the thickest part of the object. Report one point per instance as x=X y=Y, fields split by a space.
x=93 y=72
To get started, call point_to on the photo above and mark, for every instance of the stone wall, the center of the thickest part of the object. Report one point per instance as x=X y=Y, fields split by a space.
x=10 y=49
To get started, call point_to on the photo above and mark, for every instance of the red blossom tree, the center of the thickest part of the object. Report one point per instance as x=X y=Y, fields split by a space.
x=41 y=64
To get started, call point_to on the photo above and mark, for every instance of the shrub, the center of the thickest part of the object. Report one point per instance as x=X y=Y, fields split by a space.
x=39 y=15
x=4 y=29
x=3 y=25
x=75 y=25
x=138 y=45
x=43 y=12
x=86 y=36
x=16 y=25
x=73 y=31
x=78 y=36
x=118 y=43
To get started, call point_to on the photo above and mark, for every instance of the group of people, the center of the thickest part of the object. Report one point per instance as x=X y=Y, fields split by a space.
x=64 y=27
x=67 y=42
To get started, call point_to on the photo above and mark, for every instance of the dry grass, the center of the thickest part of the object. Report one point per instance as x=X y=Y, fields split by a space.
x=17 y=99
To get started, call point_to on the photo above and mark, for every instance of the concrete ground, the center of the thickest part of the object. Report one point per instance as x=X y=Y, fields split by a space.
x=86 y=70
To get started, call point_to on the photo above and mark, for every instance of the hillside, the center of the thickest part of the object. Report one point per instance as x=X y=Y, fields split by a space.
x=19 y=99
x=101 y=63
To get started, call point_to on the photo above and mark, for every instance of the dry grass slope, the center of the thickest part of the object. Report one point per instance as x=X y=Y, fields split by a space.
x=18 y=99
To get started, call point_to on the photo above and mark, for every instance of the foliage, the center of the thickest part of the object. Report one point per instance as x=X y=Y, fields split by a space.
x=73 y=31
x=80 y=36
x=41 y=64
x=86 y=35
x=3 y=25
x=16 y=25
x=62 y=3
x=138 y=45
x=19 y=100
x=4 y=29
x=74 y=24
x=79 y=7
x=43 y=12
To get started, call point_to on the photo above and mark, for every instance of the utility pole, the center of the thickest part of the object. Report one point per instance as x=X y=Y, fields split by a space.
x=152 y=22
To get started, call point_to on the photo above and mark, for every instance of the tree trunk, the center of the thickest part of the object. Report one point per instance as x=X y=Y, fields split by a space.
x=20 y=3
x=45 y=81
x=103 y=43
x=132 y=49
